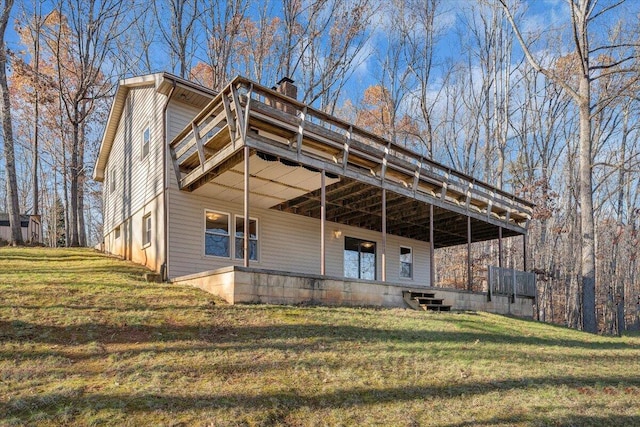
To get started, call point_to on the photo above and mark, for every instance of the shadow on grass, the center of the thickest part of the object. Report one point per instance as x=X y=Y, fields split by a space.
x=573 y=420
x=268 y=336
x=290 y=401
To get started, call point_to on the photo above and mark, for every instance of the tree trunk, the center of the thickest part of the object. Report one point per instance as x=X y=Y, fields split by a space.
x=73 y=178
x=82 y=235
x=588 y=266
x=36 y=202
x=9 y=151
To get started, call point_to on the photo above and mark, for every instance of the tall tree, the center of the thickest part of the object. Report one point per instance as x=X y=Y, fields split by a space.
x=7 y=128
x=221 y=21
x=80 y=36
x=177 y=20
x=590 y=68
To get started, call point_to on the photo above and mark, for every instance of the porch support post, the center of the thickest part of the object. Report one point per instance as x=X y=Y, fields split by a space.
x=469 y=278
x=245 y=243
x=432 y=247
x=500 y=261
x=323 y=218
x=384 y=235
x=500 y=247
x=524 y=252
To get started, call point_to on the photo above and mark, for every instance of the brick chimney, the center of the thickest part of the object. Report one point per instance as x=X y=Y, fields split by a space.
x=286 y=87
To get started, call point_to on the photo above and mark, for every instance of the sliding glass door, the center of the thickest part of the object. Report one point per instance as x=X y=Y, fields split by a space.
x=359 y=259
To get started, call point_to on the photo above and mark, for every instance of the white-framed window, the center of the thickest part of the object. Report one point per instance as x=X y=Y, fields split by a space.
x=117 y=232
x=112 y=181
x=146 y=229
x=145 y=142
x=217 y=239
x=406 y=262
x=253 y=238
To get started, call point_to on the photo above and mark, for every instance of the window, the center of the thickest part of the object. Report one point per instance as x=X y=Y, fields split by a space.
x=146 y=139
x=146 y=230
x=406 y=262
x=117 y=232
x=359 y=259
x=216 y=234
x=253 y=238
x=112 y=182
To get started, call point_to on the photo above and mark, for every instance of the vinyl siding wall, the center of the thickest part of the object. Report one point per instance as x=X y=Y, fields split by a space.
x=286 y=242
x=138 y=181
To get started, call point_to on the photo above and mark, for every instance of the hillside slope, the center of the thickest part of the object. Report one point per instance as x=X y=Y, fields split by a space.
x=83 y=341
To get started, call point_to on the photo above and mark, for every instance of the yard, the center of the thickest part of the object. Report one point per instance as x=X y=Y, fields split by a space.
x=84 y=341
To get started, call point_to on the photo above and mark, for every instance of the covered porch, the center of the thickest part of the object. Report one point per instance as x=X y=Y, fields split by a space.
x=263 y=149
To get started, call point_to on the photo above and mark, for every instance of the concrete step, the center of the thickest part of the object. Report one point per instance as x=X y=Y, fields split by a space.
x=435 y=307
x=422 y=300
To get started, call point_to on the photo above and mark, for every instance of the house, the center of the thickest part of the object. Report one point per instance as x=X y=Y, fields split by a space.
x=257 y=197
x=30 y=225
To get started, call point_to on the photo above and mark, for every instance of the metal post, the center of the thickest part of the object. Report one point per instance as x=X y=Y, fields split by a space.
x=469 y=278
x=500 y=261
x=323 y=218
x=384 y=235
x=245 y=244
x=489 y=282
x=432 y=266
x=513 y=283
x=524 y=252
x=500 y=247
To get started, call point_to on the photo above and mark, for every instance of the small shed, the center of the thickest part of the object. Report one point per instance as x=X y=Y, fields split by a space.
x=31 y=226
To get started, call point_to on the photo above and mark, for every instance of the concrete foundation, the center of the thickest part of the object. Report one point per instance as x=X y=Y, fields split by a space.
x=250 y=285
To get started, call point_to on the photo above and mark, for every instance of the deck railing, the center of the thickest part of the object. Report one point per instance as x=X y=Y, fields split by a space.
x=245 y=110
x=511 y=282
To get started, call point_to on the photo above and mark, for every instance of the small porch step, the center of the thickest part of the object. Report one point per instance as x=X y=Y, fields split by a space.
x=424 y=301
x=433 y=301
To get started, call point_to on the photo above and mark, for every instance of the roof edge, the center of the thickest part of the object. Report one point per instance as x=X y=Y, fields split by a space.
x=162 y=82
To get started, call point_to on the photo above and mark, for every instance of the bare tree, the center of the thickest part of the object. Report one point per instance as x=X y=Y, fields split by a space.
x=81 y=38
x=9 y=151
x=221 y=21
x=589 y=69
x=177 y=21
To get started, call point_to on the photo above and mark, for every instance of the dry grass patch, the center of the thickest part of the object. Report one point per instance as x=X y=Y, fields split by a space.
x=84 y=341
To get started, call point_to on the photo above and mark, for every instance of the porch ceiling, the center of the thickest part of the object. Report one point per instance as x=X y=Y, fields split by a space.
x=296 y=189
x=358 y=204
x=272 y=182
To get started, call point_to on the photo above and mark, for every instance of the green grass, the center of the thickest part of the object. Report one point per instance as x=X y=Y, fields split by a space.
x=84 y=341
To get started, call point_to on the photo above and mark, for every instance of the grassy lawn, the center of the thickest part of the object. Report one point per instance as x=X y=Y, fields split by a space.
x=84 y=341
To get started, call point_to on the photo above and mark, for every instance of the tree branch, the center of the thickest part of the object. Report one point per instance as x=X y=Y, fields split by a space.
x=534 y=63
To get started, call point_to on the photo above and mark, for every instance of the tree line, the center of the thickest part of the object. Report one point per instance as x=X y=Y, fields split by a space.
x=545 y=109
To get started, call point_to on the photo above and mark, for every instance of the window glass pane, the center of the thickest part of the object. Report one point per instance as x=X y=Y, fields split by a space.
x=217 y=223
x=405 y=270
x=146 y=229
x=359 y=259
x=253 y=239
x=146 y=137
x=112 y=183
x=351 y=264
x=217 y=239
x=405 y=254
x=368 y=266
x=406 y=262
x=216 y=245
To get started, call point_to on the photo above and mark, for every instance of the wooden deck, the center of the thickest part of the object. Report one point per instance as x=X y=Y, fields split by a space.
x=278 y=128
